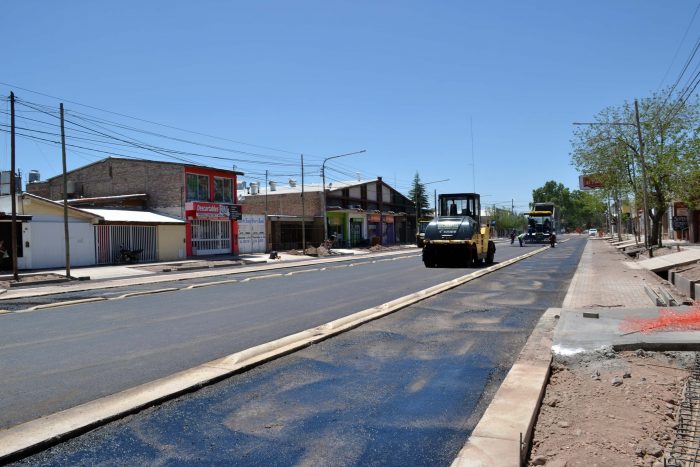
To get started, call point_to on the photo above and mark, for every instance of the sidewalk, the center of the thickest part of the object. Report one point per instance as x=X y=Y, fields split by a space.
x=574 y=425
x=602 y=407
x=605 y=279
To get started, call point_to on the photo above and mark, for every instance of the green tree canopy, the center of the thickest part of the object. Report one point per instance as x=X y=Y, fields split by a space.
x=418 y=195
x=610 y=150
x=577 y=209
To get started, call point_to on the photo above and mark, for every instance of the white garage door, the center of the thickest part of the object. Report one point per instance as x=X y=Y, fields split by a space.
x=251 y=234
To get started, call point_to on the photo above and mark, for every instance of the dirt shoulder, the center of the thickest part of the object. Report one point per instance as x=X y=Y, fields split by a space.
x=606 y=408
x=610 y=408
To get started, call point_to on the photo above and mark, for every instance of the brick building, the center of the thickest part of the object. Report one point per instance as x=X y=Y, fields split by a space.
x=358 y=213
x=205 y=198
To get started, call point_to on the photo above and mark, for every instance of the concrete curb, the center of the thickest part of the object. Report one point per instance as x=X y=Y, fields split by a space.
x=66 y=303
x=22 y=440
x=503 y=433
x=510 y=418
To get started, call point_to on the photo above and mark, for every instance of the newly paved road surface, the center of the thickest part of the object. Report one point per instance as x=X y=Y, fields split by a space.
x=403 y=390
x=61 y=357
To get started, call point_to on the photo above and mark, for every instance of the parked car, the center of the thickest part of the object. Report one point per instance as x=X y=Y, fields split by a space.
x=592 y=232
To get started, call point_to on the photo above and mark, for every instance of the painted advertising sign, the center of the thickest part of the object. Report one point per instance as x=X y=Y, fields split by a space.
x=215 y=211
x=679 y=222
x=589 y=182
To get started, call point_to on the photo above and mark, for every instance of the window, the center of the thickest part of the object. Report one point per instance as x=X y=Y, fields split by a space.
x=223 y=190
x=197 y=187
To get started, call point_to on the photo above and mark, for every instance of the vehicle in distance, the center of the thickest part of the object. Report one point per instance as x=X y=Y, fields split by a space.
x=592 y=232
x=422 y=225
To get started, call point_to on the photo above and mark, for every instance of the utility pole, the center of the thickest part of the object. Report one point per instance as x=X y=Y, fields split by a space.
x=435 y=214
x=13 y=235
x=303 y=210
x=512 y=206
x=267 y=229
x=644 y=174
x=65 y=194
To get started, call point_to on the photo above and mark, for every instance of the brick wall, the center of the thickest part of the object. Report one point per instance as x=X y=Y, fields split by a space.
x=162 y=182
x=288 y=204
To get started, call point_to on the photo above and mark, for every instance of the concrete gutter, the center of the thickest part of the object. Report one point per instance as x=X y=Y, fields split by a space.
x=22 y=440
x=666 y=262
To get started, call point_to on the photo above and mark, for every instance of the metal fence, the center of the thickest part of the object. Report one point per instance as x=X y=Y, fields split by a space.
x=109 y=239
x=211 y=237
x=686 y=446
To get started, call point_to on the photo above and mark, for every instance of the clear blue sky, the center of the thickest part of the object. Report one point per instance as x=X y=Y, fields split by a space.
x=399 y=79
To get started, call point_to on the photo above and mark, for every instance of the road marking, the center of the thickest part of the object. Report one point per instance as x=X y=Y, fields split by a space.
x=292 y=273
x=207 y=284
x=67 y=302
x=145 y=292
x=266 y=276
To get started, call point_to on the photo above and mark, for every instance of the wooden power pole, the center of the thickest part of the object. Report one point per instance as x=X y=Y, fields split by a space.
x=13 y=188
x=65 y=195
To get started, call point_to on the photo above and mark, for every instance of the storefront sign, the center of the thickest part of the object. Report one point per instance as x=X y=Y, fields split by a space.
x=235 y=213
x=374 y=218
x=389 y=219
x=680 y=222
x=589 y=182
x=211 y=211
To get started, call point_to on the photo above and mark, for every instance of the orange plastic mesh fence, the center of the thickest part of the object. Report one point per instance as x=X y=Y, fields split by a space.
x=669 y=319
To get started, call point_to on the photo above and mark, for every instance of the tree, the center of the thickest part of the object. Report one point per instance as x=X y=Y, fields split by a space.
x=610 y=150
x=504 y=221
x=418 y=195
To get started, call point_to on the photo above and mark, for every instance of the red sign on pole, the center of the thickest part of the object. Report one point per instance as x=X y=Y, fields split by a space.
x=589 y=182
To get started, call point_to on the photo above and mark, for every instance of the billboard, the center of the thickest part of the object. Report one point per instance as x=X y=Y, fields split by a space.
x=589 y=182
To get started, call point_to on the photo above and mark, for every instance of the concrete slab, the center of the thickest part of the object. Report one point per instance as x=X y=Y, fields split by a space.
x=684 y=285
x=625 y=244
x=666 y=262
x=576 y=334
x=488 y=452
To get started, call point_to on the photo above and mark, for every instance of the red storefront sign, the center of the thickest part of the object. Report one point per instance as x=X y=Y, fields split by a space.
x=389 y=219
x=374 y=218
x=210 y=211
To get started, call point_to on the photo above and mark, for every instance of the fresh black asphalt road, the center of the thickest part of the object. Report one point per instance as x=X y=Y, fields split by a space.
x=58 y=358
x=403 y=390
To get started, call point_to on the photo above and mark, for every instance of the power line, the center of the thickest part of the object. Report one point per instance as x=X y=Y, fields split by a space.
x=150 y=121
x=685 y=34
x=165 y=151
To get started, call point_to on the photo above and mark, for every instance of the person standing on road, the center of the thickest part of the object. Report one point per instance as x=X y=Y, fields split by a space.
x=552 y=239
x=521 y=238
x=4 y=257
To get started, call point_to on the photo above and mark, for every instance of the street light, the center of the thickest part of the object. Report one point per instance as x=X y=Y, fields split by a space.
x=638 y=126
x=416 y=199
x=323 y=193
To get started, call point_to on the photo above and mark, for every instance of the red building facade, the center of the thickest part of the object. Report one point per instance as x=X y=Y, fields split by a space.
x=211 y=211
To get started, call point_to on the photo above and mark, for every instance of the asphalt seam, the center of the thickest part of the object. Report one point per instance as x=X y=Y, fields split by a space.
x=24 y=439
